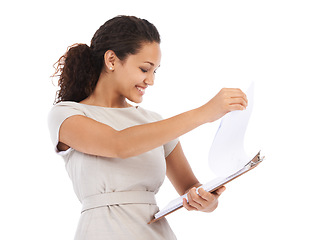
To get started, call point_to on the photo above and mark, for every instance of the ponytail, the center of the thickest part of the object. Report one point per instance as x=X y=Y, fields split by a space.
x=78 y=71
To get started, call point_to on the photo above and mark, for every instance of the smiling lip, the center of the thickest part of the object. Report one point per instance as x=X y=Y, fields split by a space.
x=141 y=90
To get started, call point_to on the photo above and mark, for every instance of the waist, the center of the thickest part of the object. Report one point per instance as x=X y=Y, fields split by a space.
x=118 y=198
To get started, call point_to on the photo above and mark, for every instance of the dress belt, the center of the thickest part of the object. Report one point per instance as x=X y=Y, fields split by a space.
x=117 y=198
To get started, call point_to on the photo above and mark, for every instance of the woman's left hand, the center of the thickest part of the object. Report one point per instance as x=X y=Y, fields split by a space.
x=205 y=201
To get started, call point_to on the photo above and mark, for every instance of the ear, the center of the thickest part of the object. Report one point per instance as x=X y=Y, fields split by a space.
x=110 y=59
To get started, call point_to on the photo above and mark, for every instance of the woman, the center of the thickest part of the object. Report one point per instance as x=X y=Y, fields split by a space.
x=117 y=154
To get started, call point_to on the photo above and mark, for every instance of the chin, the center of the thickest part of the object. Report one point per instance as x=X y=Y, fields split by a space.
x=136 y=100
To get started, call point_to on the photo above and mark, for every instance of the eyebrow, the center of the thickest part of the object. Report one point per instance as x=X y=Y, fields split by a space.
x=152 y=64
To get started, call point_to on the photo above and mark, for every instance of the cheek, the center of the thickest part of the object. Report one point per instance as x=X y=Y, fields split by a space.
x=124 y=78
x=129 y=78
x=135 y=77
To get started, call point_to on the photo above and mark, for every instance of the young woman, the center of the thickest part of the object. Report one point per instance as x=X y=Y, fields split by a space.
x=117 y=154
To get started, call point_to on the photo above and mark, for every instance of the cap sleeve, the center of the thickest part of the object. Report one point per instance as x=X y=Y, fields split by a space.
x=57 y=115
x=169 y=147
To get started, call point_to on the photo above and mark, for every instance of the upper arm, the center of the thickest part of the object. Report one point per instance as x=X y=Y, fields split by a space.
x=179 y=171
x=88 y=136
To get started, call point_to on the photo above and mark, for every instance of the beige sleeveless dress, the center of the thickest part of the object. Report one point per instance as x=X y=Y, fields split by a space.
x=117 y=195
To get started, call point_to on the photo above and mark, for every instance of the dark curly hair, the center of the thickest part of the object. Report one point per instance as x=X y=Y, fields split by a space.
x=80 y=67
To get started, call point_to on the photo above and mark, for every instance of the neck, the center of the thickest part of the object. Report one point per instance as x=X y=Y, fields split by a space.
x=105 y=95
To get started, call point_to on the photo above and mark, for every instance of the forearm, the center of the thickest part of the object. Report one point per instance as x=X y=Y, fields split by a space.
x=142 y=138
x=92 y=137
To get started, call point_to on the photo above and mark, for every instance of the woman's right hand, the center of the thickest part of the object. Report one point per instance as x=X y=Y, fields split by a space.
x=227 y=100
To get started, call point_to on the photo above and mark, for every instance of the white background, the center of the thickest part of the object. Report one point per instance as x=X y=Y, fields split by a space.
x=206 y=45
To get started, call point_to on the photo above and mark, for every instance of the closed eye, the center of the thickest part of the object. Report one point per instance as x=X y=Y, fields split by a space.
x=144 y=70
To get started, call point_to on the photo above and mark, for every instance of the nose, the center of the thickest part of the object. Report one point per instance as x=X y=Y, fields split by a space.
x=149 y=80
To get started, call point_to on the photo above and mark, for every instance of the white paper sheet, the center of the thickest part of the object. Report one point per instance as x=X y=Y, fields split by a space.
x=227 y=153
x=227 y=157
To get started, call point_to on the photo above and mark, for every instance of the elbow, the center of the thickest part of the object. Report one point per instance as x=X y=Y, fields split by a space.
x=120 y=151
x=123 y=152
x=123 y=156
x=124 y=149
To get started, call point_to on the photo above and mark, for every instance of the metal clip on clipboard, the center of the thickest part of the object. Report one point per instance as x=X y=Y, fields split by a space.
x=255 y=161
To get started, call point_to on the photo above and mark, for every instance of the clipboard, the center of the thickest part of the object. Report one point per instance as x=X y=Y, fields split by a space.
x=209 y=187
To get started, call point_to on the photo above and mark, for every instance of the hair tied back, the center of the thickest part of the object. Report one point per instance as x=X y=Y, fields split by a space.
x=78 y=72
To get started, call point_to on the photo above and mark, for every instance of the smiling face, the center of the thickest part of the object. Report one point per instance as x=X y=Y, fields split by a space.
x=137 y=72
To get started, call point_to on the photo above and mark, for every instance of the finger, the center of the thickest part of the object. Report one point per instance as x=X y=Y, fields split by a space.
x=197 y=198
x=187 y=206
x=235 y=107
x=191 y=199
x=206 y=195
x=219 y=191
x=237 y=93
x=240 y=101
